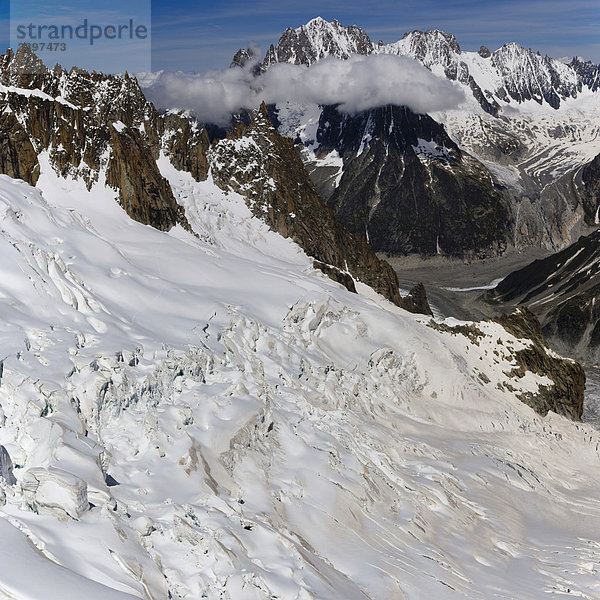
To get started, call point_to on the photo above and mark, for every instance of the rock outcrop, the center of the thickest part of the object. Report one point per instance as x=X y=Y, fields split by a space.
x=563 y=291
x=566 y=394
x=144 y=193
x=407 y=186
x=87 y=122
x=259 y=163
x=590 y=176
x=416 y=301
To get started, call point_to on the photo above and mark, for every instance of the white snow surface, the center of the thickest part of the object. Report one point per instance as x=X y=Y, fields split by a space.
x=273 y=436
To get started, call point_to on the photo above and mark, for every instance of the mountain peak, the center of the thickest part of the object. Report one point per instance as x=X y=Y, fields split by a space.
x=242 y=57
x=23 y=62
x=432 y=38
x=319 y=21
x=318 y=39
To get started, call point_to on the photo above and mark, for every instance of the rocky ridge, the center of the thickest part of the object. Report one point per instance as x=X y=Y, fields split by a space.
x=89 y=123
x=93 y=126
x=511 y=73
x=562 y=290
x=259 y=163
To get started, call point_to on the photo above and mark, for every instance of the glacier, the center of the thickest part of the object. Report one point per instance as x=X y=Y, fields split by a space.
x=205 y=415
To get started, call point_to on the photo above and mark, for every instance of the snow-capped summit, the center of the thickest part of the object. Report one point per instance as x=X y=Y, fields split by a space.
x=430 y=47
x=316 y=40
x=441 y=54
x=511 y=73
x=527 y=75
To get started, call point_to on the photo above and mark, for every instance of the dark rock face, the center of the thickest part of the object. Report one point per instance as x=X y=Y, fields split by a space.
x=18 y=157
x=186 y=145
x=6 y=467
x=91 y=121
x=416 y=301
x=564 y=291
x=565 y=397
x=241 y=58
x=247 y=58
x=590 y=175
x=589 y=73
x=143 y=192
x=570 y=321
x=484 y=52
x=262 y=165
x=408 y=188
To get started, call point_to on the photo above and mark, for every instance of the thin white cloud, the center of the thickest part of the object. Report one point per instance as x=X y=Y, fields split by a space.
x=357 y=84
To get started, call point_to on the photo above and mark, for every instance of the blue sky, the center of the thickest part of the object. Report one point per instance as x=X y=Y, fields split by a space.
x=200 y=35
x=204 y=34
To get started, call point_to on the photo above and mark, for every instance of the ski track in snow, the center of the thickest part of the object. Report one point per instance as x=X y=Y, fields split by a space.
x=271 y=434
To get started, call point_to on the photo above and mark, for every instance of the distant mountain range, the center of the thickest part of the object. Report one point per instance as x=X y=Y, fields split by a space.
x=507 y=166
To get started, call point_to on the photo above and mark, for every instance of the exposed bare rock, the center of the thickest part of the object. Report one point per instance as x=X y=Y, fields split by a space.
x=590 y=175
x=18 y=157
x=143 y=192
x=187 y=145
x=588 y=72
x=416 y=301
x=243 y=57
x=565 y=396
x=408 y=187
x=259 y=163
x=88 y=122
x=484 y=52
x=337 y=275
x=563 y=290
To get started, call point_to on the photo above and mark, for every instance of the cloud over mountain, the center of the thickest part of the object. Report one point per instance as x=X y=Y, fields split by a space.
x=356 y=84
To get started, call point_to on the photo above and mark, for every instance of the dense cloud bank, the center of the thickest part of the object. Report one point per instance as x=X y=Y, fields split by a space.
x=356 y=84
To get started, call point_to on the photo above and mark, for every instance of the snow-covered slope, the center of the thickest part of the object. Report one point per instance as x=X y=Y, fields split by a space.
x=210 y=417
